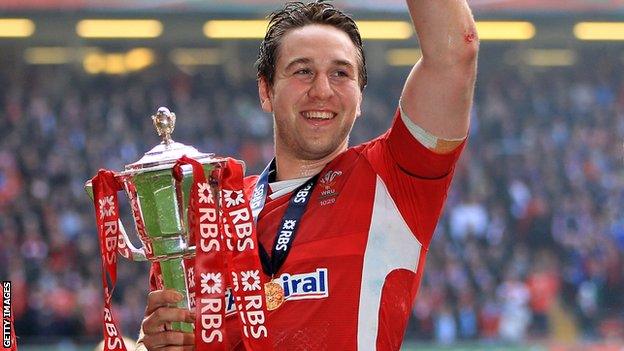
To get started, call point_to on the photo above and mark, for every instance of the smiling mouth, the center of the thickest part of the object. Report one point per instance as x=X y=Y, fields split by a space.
x=318 y=115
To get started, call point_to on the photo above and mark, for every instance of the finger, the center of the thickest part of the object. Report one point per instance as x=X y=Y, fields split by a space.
x=159 y=298
x=168 y=339
x=157 y=321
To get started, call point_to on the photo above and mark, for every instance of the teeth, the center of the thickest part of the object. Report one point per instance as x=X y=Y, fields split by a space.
x=318 y=115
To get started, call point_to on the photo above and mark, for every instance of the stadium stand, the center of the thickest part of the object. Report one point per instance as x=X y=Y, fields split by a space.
x=530 y=247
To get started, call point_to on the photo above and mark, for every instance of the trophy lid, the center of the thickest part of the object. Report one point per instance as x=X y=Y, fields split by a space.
x=165 y=154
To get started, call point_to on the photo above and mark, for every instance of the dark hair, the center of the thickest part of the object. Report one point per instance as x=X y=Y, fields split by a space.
x=296 y=15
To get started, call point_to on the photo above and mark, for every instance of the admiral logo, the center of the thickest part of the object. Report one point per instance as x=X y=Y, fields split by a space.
x=296 y=287
x=305 y=286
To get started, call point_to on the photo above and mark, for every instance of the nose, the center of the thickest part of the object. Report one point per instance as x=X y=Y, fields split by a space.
x=321 y=88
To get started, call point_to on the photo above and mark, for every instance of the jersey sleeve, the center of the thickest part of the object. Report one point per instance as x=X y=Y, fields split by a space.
x=416 y=178
x=414 y=157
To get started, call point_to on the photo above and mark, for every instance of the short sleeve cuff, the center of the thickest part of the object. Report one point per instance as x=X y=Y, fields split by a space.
x=414 y=157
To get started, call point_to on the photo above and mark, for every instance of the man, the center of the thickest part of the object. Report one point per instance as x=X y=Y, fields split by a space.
x=354 y=263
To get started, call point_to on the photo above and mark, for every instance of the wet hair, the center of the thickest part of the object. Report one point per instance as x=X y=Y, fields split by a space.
x=296 y=15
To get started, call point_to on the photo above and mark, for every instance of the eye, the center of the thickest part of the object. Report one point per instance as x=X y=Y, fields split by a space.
x=303 y=71
x=341 y=73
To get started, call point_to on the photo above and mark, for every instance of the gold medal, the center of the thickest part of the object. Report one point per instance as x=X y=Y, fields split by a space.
x=274 y=295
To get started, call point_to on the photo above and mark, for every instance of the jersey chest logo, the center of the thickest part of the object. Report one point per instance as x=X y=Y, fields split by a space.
x=303 y=286
x=313 y=285
x=328 y=191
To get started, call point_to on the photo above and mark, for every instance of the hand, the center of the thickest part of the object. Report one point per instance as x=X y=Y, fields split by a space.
x=156 y=333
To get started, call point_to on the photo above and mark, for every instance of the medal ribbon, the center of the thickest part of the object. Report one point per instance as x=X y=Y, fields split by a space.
x=105 y=188
x=290 y=221
x=261 y=190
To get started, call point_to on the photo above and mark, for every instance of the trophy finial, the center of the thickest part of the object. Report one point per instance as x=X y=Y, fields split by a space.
x=164 y=122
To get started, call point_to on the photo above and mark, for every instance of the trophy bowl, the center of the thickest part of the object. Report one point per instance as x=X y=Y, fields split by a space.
x=159 y=203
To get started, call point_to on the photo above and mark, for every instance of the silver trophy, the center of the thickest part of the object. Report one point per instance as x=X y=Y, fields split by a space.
x=159 y=206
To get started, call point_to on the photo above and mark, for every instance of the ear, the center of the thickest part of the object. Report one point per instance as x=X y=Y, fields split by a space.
x=264 y=91
x=358 y=110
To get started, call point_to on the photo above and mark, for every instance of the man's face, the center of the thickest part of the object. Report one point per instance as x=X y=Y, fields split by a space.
x=315 y=96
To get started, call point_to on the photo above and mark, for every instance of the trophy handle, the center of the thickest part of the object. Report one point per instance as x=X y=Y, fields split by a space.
x=125 y=247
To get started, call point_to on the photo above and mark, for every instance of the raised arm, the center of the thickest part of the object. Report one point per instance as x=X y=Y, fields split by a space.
x=438 y=93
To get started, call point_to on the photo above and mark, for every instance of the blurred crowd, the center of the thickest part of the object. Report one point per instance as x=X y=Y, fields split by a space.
x=530 y=246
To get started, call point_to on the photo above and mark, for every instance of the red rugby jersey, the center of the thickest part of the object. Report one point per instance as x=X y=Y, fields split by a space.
x=357 y=260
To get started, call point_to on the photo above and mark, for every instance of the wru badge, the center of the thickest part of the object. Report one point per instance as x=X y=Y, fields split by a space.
x=196 y=227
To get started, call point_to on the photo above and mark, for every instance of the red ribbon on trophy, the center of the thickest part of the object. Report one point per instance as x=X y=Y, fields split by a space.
x=226 y=252
x=209 y=269
x=246 y=268
x=105 y=188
